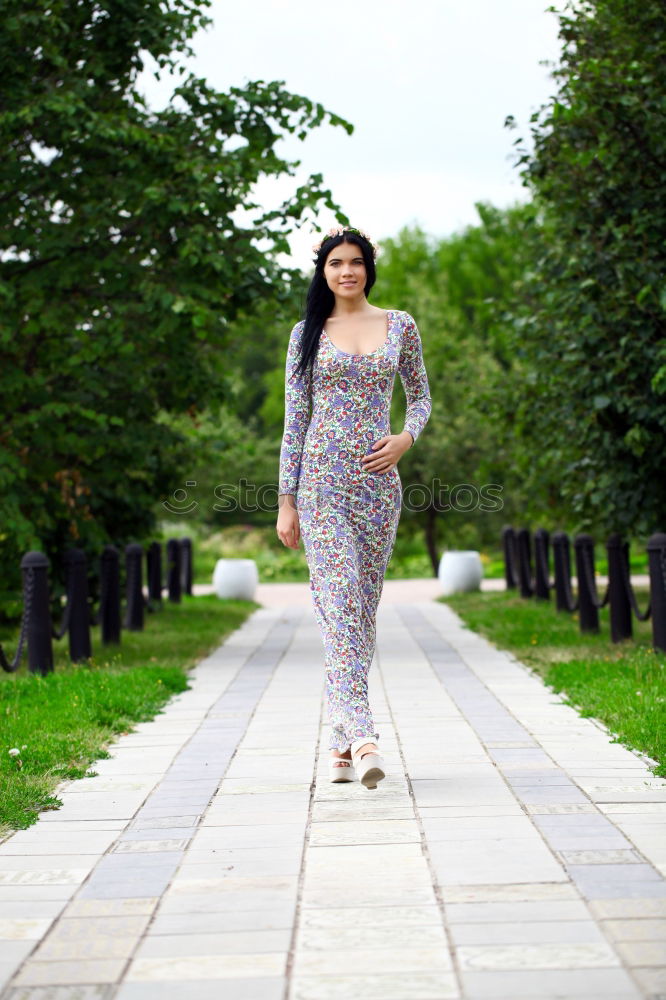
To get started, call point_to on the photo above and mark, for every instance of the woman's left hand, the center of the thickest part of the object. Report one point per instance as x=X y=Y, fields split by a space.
x=387 y=451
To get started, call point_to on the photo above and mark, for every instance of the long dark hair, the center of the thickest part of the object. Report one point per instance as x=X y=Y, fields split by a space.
x=320 y=299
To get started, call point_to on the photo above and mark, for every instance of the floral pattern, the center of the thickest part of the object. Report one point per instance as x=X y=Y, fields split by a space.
x=348 y=515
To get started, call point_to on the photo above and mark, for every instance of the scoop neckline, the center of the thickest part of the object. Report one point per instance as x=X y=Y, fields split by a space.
x=389 y=320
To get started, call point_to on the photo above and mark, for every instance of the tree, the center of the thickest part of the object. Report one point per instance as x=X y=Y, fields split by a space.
x=122 y=260
x=593 y=417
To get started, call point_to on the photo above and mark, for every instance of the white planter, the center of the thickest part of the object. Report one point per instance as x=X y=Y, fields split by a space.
x=460 y=571
x=235 y=578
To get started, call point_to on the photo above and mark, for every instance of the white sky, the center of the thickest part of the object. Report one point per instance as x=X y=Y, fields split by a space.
x=427 y=86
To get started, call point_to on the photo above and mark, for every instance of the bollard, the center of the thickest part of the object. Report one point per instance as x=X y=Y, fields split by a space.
x=620 y=605
x=525 y=562
x=109 y=599
x=133 y=561
x=186 y=565
x=588 y=613
x=173 y=570
x=35 y=567
x=509 y=549
x=656 y=548
x=77 y=599
x=154 y=560
x=562 y=566
x=542 y=572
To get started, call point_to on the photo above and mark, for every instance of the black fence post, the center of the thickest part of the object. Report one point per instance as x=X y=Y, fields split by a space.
x=154 y=560
x=109 y=596
x=77 y=598
x=525 y=562
x=620 y=607
x=541 y=569
x=133 y=561
x=562 y=570
x=588 y=613
x=173 y=569
x=656 y=548
x=40 y=645
x=186 y=565
x=509 y=548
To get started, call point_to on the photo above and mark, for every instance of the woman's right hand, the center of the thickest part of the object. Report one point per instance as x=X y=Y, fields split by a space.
x=288 y=527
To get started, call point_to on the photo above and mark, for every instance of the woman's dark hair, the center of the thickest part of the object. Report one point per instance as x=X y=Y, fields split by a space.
x=320 y=299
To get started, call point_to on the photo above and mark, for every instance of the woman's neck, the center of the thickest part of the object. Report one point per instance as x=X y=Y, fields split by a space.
x=350 y=307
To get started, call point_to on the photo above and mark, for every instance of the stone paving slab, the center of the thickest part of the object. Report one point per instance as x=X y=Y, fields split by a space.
x=512 y=852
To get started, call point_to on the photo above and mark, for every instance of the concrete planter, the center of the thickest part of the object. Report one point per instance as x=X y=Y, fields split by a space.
x=235 y=578
x=460 y=571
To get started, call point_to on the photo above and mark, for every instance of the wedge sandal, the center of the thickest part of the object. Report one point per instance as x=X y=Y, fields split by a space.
x=369 y=764
x=340 y=769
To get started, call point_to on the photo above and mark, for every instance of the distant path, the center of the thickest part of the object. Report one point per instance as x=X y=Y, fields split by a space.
x=272 y=595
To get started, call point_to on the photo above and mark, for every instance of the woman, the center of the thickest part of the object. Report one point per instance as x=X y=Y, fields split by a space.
x=339 y=483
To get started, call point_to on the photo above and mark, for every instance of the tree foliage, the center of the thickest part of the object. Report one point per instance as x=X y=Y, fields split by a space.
x=592 y=419
x=459 y=289
x=129 y=240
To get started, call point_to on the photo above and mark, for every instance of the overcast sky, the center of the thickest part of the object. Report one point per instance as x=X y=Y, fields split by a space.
x=427 y=85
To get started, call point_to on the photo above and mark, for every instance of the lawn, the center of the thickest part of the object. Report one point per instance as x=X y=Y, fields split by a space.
x=63 y=722
x=621 y=684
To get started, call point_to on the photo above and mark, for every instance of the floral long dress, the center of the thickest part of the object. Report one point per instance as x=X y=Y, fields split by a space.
x=348 y=515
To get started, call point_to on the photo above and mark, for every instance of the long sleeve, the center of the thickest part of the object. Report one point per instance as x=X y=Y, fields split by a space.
x=414 y=379
x=297 y=399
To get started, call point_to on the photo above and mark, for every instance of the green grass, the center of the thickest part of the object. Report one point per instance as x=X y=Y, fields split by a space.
x=61 y=723
x=621 y=684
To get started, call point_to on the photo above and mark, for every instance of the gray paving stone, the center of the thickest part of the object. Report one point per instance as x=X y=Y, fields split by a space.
x=550 y=984
x=223 y=921
x=414 y=986
x=567 y=910
x=536 y=932
x=215 y=943
x=265 y=988
x=153 y=883
x=278 y=902
x=15 y=951
x=164 y=822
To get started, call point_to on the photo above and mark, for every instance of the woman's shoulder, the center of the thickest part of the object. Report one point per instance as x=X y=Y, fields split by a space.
x=406 y=318
x=297 y=329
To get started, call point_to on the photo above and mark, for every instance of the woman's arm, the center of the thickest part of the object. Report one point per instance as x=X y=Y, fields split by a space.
x=414 y=380
x=297 y=399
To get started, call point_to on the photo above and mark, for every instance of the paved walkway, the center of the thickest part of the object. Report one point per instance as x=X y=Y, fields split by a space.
x=512 y=852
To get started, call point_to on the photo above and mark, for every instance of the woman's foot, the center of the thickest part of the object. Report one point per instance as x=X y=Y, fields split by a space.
x=340 y=765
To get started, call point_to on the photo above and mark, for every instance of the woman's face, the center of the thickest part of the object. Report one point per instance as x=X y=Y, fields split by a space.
x=345 y=272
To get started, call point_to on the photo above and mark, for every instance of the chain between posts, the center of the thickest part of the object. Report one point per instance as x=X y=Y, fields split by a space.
x=591 y=585
x=629 y=590
x=10 y=666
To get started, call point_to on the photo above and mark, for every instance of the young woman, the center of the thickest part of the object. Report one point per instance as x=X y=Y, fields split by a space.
x=339 y=484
